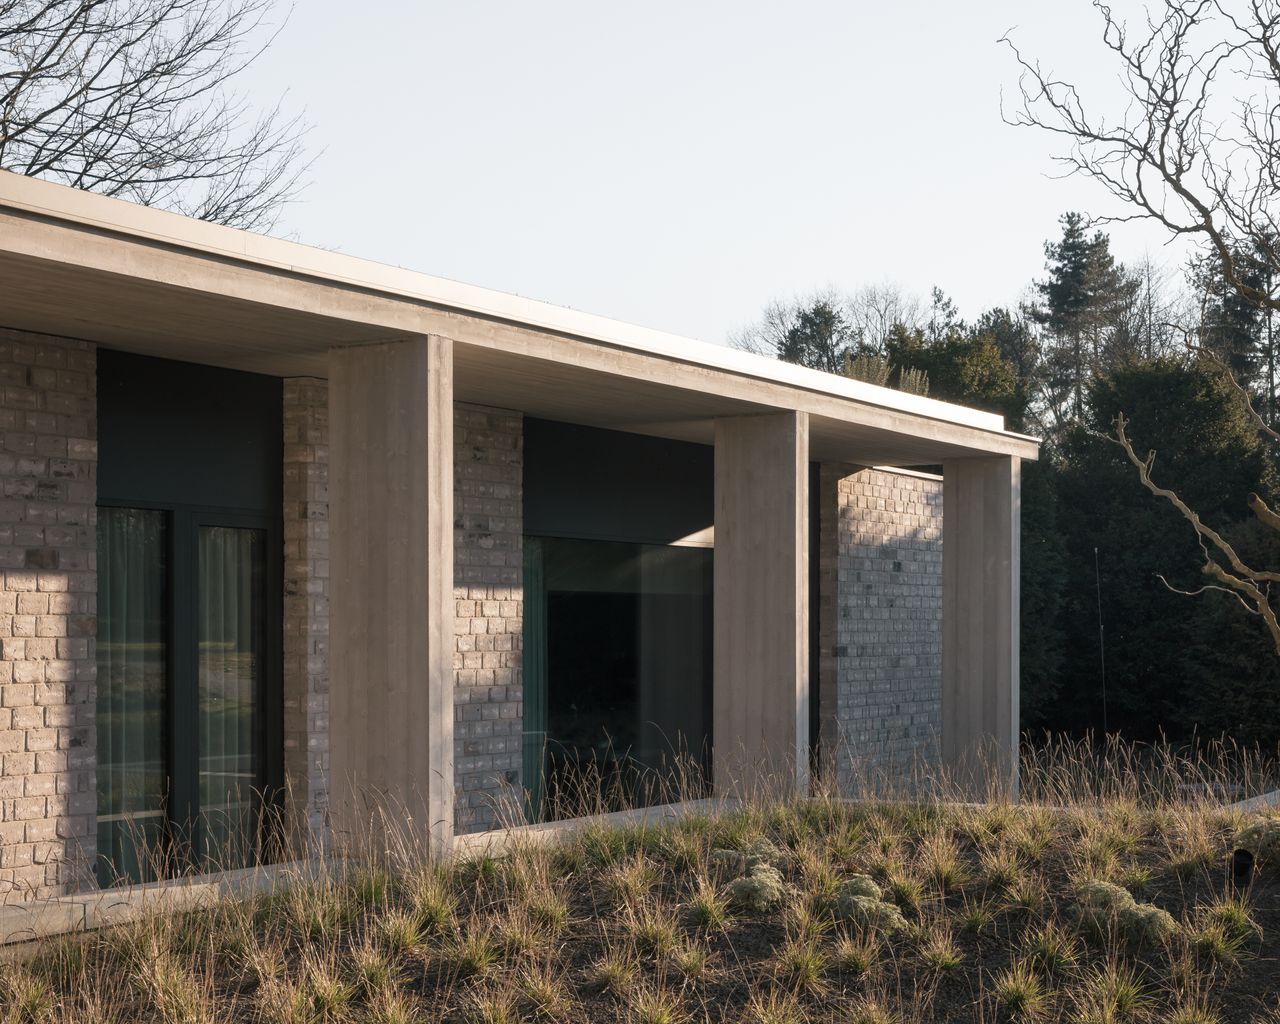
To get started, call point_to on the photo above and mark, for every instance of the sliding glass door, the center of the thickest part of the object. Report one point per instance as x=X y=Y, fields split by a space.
x=184 y=658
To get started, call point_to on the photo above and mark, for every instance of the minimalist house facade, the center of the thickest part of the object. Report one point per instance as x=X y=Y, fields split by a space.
x=286 y=530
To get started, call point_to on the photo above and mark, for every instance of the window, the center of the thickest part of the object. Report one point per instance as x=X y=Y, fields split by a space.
x=182 y=671
x=617 y=693
x=189 y=616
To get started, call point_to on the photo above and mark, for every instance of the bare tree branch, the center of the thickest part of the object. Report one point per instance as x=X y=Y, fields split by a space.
x=134 y=98
x=1251 y=585
x=1197 y=151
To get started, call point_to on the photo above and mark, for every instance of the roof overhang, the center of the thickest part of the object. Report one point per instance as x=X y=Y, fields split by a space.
x=79 y=265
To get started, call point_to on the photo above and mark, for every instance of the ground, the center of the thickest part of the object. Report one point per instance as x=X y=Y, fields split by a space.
x=819 y=910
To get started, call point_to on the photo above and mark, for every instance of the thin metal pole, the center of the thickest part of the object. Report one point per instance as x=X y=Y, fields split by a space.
x=1102 y=643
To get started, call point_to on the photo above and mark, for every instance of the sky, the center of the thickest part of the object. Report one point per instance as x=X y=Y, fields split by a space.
x=679 y=164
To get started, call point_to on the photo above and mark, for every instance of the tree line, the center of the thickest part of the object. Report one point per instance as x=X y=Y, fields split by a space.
x=1110 y=638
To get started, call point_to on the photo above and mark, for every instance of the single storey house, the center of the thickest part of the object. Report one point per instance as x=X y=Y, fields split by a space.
x=280 y=525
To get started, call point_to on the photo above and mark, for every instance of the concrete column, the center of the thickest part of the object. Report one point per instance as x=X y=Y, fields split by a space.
x=761 y=677
x=981 y=521
x=391 y=589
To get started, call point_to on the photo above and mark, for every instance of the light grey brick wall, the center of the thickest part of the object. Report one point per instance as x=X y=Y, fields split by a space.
x=306 y=600
x=880 y=626
x=488 y=591
x=48 y=608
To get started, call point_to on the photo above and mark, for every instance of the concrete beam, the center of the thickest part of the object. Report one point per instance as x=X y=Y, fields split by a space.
x=981 y=522
x=761 y=676
x=391 y=621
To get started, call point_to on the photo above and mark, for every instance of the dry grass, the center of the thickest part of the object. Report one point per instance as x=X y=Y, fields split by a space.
x=958 y=912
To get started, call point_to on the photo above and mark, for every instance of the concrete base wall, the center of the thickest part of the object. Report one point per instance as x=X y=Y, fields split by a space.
x=880 y=629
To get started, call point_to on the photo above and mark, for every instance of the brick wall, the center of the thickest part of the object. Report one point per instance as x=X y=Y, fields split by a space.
x=48 y=604
x=488 y=590
x=880 y=622
x=306 y=600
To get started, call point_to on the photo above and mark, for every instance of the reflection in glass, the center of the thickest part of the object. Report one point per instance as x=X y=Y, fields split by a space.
x=132 y=692
x=230 y=638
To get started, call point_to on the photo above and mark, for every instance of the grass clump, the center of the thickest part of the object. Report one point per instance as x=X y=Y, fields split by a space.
x=612 y=974
x=471 y=954
x=25 y=997
x=657 y=1006
x=800 y=965
x=940 y=953
x=856 y=955
x=1110 y=994
x=1052 y=949
x=707 y=909
x=1020 y=992
x=774 y=1007
x=943 y=864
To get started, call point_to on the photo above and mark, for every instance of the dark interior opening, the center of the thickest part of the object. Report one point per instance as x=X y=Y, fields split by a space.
x=618 y=674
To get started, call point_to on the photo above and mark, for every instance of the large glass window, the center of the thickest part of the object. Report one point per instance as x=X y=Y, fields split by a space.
x=617 y=673
x=133 y=677
x=231 y=645
x=182 y=660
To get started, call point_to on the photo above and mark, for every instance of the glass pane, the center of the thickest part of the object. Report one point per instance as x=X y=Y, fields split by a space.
x=618 y=674
x=132 y=692
x=230 y=634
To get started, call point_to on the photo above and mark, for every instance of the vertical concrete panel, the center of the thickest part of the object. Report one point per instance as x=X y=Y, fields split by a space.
x=306 y=603
x=391 y=552
x=761 y=647
x=981 y=525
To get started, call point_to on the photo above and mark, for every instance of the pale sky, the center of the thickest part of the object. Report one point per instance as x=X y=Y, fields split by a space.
x=678 y=165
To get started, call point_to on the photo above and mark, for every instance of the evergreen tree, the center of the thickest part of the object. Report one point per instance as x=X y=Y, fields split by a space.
x=962 y=366
x=944 y=319
x=1084 y=302
x=1229 y=324
x=1208 y=450
x=1015 y=338
x=820 y=337
x=1239 y=331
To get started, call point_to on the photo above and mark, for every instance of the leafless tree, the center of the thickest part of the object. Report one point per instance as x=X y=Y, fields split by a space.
x=133 y=98
x=1194 y=148
x=765 y=336
x=871 y=311
x=1154 y=317
x=874 y=309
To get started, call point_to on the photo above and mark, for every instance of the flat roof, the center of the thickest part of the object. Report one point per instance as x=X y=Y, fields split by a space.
x=99 y=213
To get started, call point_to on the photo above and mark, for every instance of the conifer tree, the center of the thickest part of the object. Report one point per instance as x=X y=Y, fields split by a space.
x=1084 y=302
